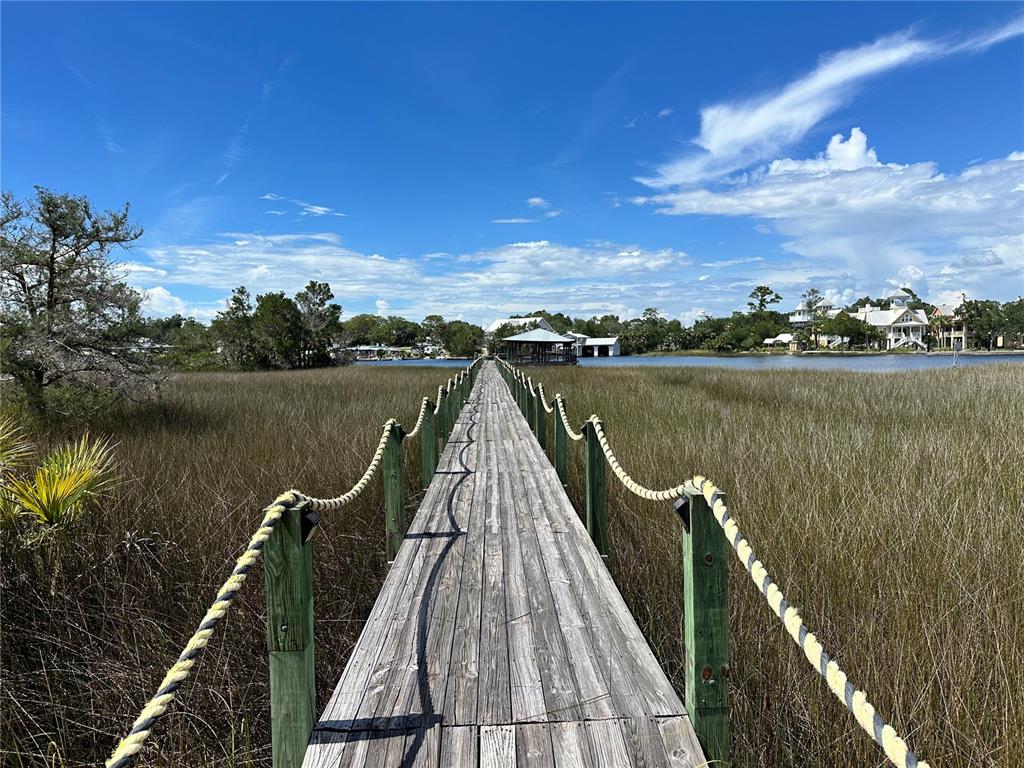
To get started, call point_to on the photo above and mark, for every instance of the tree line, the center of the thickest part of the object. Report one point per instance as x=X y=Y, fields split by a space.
x=69 y=323
x=274 y=332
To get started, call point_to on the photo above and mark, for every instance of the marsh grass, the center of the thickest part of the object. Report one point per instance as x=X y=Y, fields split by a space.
x=888 y=507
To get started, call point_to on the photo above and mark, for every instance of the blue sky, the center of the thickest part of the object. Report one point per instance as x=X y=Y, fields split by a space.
x=479 y=160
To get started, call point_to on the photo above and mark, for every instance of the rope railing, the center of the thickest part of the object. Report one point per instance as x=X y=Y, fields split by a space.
x=128 y=747
x=854 y=699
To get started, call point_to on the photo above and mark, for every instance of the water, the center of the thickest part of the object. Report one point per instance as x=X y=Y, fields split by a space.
x=455 y=362
x=871 y=363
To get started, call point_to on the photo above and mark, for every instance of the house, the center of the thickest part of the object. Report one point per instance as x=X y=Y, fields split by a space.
x=950 y=330
x=540 y=347
x=580 y=339
x=601 y=347
x=902 y=326
x=782 y=340
x=519 y=322
x=802 y=316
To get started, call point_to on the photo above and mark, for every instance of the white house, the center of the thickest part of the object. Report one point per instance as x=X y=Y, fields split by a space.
x=902 y=326
x=951 y=331
x=518 y=322
x=601 y=347
x=801 y=317
x=783 y=339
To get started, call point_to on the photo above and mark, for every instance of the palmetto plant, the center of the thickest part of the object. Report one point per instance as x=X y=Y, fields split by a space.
x=64 y=485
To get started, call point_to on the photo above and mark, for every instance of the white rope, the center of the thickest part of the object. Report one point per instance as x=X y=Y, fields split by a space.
x=543 y=398
x=574 y=435
x=322 y=505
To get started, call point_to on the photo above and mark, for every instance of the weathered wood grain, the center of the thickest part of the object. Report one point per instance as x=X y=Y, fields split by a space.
x=499 y=637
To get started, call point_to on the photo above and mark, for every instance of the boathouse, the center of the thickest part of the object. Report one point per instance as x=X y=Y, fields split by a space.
x=539 y=347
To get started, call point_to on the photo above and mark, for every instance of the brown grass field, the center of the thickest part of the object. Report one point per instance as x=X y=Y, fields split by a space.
x=888 y=507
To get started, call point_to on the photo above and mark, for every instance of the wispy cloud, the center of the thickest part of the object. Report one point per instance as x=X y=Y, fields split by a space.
x=662 y=114
x=107 y=137
x=236 y=147
x=304 y=208
x=735 y=135
x=540 y=205
x=79 y=75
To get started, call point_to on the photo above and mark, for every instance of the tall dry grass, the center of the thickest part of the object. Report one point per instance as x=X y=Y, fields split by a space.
x=888 y=507
x=79 y=659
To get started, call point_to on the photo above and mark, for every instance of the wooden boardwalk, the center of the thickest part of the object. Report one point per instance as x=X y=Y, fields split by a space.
x=499 y=637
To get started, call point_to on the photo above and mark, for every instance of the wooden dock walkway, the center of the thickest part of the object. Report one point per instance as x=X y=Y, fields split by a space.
x=499 y=637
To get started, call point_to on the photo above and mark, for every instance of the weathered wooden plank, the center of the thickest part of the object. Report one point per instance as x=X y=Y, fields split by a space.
x=570 y=745
x=561 y=696
x=525 y=683
x=681 y=746
x=494 y=697
x=607 y=746
x=533 y=746
x=497 y=746
x=459 y=746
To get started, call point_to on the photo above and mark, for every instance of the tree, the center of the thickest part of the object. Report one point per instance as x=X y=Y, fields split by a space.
x=433 y=328
x=364 y=329
x=983 y=319
x=812 y=299
x=401 y=332
x=277 y=331
x=320 y=321
x=192 y=348
x=232 y=328
x=1013 y=320
x=462 y=339
x=761 y=297
x=67 y=317
x=505 y=330
x=855 y=331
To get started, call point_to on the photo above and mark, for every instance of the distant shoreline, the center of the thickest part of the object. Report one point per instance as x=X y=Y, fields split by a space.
x=825 y=353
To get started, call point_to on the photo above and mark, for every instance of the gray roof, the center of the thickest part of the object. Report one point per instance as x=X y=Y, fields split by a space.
x=539 y=335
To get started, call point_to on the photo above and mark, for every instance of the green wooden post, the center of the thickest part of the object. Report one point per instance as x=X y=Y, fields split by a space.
x=394 y=491
x=561 y=442
x=523 y=395
x=441 y=418
x=542 y=423
x=288 y=564
x=597 y=499
x=428 y=447
x=531 y=409
x=706 y=615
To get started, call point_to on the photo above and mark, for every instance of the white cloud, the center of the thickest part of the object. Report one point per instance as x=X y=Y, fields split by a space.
x=665 y=113
x=884 y=221
x=304 y=208
x=160 y=302
x=590 y=279
x=538 y=202
x=731 y=262
x=552 y=214
x=839 y=155
x=736 y=135
x=515 y=220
